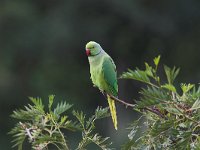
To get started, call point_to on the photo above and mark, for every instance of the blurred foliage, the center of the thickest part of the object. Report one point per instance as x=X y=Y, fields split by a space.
x=43 y=128
x=170 y=119
x=42 y=48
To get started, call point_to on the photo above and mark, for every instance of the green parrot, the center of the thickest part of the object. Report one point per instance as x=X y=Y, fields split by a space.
x=103 y=74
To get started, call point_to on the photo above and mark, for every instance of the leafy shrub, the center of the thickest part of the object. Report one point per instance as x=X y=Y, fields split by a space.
x=170 y=117
x=43 y=127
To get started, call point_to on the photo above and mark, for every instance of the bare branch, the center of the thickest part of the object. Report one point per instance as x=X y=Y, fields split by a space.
x=157 y=112
x=121 y=101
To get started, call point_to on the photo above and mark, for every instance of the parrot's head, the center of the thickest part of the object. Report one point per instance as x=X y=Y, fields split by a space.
x=92 y=48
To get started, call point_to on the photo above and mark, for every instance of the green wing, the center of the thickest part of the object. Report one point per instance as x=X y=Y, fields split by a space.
x=110 y=76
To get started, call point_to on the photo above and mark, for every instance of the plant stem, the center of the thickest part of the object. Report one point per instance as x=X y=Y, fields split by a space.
x=64 y=143
x=121 y=101
x=133 y=106
x=155 y=112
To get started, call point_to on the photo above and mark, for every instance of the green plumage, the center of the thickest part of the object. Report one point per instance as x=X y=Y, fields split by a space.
x=103 y=74
x=109 y=75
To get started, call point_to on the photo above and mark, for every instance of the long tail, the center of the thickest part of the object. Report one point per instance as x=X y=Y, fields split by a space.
x=112 y=111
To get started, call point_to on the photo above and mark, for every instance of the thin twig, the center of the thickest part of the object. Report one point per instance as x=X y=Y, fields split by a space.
x=121 y=101
x=27 y=130
x=133 y=106
x=64 y=143
x=155 y=112
x=29 y=134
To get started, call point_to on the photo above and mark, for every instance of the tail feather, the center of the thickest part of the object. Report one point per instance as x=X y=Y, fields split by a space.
x=112 y=111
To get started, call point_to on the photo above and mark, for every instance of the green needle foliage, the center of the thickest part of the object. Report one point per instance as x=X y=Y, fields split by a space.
x=42 y=128
x=170 y=117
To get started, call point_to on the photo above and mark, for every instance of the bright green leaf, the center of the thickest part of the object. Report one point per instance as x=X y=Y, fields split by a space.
x=156 y=60
x=196 y=105
x=61 y=108
x=51 y=99
x=171 y=73
x=149 y=70
x=186 y=87
x=169 y=87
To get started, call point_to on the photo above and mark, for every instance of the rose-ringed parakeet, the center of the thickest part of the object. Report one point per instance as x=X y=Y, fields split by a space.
x=103 y=74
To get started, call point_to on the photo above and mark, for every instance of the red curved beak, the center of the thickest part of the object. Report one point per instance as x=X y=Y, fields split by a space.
x=87 y=52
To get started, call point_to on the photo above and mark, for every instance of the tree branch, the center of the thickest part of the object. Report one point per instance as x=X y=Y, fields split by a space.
x=133 y=106
x=155 y=112
x=121 y=101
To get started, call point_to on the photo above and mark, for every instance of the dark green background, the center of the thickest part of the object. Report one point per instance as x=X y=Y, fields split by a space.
x=42 y=51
